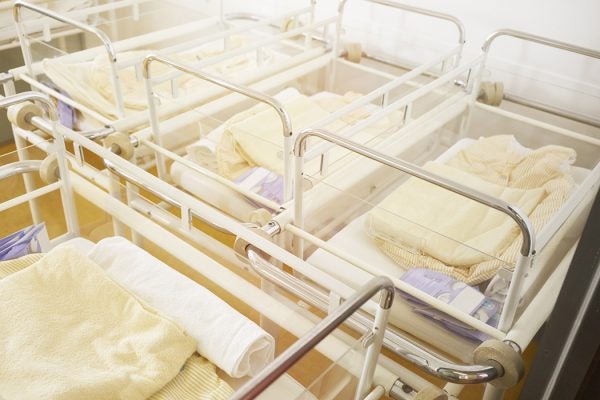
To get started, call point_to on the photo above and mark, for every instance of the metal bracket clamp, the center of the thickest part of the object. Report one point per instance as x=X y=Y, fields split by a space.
x=241 y=246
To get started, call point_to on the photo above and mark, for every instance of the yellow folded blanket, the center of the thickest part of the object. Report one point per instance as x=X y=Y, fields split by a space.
x=69 y=332
x=446 y=226
x=255 y=137
x=90 y=82
x=197 y=379
x=536 y=181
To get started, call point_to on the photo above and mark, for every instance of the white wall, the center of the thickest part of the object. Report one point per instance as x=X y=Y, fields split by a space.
x=567 y=81
x=553 y=77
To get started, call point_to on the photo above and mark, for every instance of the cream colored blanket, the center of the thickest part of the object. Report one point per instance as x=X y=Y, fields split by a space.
x=421 y=225
x=255 y=137
x=90 y=83
x=69 y=332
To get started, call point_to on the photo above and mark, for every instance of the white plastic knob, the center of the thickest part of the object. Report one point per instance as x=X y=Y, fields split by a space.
x=120 y=144
x=49 y=169
x=20 y=114
x=353 y=51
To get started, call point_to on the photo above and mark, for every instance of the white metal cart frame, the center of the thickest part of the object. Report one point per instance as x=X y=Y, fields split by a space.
x=68 y=182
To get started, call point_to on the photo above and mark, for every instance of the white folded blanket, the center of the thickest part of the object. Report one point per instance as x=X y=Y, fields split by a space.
x=225 y=337
x=70 y=332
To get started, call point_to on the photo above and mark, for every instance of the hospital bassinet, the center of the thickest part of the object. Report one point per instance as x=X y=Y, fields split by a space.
x=241 y=161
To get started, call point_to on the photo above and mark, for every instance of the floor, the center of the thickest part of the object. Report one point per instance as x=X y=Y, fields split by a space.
x=95 y=224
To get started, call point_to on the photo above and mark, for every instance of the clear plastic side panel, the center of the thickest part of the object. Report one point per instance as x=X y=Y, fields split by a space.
x=374 y=218
x=119 y=21
x=242 y=140
x=79 y=67
x=400 y=38
x=546 y=77
x=333 y=380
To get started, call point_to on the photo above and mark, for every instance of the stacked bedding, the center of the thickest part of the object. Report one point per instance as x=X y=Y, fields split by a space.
x=100 y=327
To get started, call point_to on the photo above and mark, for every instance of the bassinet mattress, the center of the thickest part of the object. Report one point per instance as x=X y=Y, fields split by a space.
x=354 y=239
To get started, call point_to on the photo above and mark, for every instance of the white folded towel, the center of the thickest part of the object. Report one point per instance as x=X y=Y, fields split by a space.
x=225 y=337
x=203 y=152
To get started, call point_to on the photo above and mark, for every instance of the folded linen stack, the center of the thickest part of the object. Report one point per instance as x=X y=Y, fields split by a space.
x=86 y=297
x=70 y=332
x=224 y=336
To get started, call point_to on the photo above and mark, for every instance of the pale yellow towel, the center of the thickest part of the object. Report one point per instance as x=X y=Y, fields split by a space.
x=434 y=221
x=499 y=160
x=69 y=332
x=11 y=266
x=197 y=380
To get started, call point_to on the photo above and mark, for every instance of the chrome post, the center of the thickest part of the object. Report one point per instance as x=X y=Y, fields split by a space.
x=288 y=358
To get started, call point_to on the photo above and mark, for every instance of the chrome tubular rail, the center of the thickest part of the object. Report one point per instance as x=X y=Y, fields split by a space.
x=110 y=50
x=256 y=95
x=521 y=219
x=417 y=10
x=112 y=54
x=19 y=167
x=539 y=40
x=284 y=116
x=306 y=343
x=426 y=360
